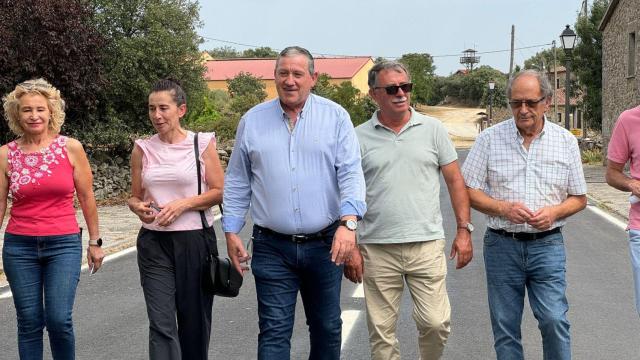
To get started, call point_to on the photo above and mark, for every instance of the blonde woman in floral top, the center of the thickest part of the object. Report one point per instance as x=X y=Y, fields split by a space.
x=42 y=250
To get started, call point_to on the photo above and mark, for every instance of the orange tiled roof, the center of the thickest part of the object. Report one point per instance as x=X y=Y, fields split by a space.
x=336 y=68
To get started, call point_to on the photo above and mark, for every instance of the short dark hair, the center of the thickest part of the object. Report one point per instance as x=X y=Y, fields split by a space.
x=296 y=50
x=173 y=86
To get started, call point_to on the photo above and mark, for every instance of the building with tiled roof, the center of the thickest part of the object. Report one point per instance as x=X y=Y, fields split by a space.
x=339 y=69
x=556 y=111
x=620 y=28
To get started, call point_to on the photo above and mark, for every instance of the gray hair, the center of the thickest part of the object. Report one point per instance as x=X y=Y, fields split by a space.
x=545 y=86
x=294 y=51
x=384 y=65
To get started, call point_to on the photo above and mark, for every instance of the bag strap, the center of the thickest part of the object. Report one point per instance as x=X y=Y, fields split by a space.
x=196 y=151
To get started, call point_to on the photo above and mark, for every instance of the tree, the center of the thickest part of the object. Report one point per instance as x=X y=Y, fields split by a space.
x=587 y=60
x=543 y=60
x=147 y=40
x=421 y=68
x=473 y=88
x=359 y=106
x=260 y=52
x=246 y=91
x=55 y=40
x=246 y=84
x=224 y=52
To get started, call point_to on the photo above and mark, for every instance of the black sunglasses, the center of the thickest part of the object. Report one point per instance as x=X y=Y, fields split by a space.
x=393 y=89
x=530 y=103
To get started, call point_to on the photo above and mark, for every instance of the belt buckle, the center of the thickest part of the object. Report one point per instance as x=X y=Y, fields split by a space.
x=298 y=239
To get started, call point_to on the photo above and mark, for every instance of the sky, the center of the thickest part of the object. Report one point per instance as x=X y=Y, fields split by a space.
x=390 y=28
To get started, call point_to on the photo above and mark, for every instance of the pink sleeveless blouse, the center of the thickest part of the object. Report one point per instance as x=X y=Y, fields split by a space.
x=42 y=187
x=169 y=173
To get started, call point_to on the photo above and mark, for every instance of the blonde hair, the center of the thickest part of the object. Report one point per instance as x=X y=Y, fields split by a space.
x=11 y=104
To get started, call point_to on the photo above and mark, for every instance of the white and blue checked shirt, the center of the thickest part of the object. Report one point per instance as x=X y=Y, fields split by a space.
x=544 y=175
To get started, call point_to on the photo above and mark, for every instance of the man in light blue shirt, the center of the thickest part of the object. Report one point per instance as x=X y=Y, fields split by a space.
x=296 y=165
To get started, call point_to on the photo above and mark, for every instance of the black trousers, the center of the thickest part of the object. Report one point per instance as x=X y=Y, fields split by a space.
x=170 y=264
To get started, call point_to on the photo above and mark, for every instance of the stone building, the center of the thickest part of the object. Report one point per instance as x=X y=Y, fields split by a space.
x=620 y=61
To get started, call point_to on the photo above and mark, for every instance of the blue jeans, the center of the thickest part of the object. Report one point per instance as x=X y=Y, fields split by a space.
x=282 y=268
x=539 y=267
x=634 y=252
x=43 y=273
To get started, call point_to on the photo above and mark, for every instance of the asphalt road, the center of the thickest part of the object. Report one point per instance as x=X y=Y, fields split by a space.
x=110 y=318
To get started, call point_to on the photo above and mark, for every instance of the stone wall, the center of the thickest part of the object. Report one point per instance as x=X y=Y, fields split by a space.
x=112 y=176
x=619 y=91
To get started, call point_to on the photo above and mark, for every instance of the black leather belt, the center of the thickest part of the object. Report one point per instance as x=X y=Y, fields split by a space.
x=524 y=236
x=301 y=238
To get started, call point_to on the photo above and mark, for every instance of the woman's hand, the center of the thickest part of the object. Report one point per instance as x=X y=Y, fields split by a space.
x=94 y=258
x=143 y=209
x=171 y=211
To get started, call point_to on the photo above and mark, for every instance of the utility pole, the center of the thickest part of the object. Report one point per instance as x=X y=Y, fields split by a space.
x=513 y=31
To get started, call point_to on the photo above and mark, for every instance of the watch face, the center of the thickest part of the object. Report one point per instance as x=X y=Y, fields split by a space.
x=470 y=227
x=99 y=241
x=352 y=224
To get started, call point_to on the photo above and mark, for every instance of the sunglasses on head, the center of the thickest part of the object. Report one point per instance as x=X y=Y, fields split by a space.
x=530 y=103
x=30 y=85
x=393 y=89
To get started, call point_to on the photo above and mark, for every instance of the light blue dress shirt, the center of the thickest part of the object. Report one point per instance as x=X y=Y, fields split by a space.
x=299 y=181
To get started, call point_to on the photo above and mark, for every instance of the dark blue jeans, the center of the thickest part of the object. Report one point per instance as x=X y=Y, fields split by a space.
x=43 y=273
x=539 y=267
x=282 y=268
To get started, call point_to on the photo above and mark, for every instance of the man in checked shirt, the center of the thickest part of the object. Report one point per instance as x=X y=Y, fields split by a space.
x=526 y=175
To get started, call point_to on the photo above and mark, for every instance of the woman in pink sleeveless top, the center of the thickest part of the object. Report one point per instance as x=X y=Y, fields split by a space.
x=42 y=251
x=172 y=248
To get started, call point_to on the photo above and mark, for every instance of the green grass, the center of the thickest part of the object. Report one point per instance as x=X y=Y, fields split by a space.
x=592 y=157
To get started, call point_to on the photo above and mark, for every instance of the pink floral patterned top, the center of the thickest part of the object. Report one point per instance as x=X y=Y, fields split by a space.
x=42 y=187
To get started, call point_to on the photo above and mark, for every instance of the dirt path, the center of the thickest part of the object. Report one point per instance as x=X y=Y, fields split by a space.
x=462 y=123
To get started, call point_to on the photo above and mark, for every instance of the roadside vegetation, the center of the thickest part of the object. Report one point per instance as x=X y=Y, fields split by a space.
x=104 y=56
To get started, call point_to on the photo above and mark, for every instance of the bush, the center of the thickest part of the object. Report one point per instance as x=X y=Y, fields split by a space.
x=592 y=156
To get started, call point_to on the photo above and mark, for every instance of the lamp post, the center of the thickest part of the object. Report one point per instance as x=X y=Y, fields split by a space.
x=492 y=85
x=568 y=38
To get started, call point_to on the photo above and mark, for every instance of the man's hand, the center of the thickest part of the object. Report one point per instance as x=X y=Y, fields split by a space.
x=354 y=266
x=462 y=247
x=634 y=186
x=516 y=212
x=344 y=241
x=543 y=218
x=237 y=252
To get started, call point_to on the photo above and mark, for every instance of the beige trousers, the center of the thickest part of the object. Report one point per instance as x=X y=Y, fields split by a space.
x=423 y=267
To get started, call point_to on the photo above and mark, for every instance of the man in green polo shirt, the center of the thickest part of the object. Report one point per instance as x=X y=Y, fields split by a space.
x=401 y=239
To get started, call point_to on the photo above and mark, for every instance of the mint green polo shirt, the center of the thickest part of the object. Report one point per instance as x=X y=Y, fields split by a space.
x=402 y=174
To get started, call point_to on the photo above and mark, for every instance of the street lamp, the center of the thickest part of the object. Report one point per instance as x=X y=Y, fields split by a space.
x=492 y=85
x=568 y=39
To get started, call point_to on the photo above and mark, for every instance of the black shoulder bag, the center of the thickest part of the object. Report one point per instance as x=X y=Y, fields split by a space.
x=219 y=276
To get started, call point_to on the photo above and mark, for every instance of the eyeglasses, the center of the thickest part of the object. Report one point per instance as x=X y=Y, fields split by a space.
x=530 y=103
x=393 y=89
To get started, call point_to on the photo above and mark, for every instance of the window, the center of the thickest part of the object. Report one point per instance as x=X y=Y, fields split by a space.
x=557 y=83
x=559 y=117
x=631 y=63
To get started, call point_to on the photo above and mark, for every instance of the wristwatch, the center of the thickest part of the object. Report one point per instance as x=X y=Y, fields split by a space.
x=349 y=224
x=469 y=227
x=97 y=242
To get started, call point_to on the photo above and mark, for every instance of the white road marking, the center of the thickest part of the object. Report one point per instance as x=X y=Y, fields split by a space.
x=612 y=219
x=350 y=317
x=7 y=294
x=358 y=292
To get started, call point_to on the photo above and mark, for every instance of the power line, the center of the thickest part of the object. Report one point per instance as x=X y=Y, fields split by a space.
x=387 y=57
